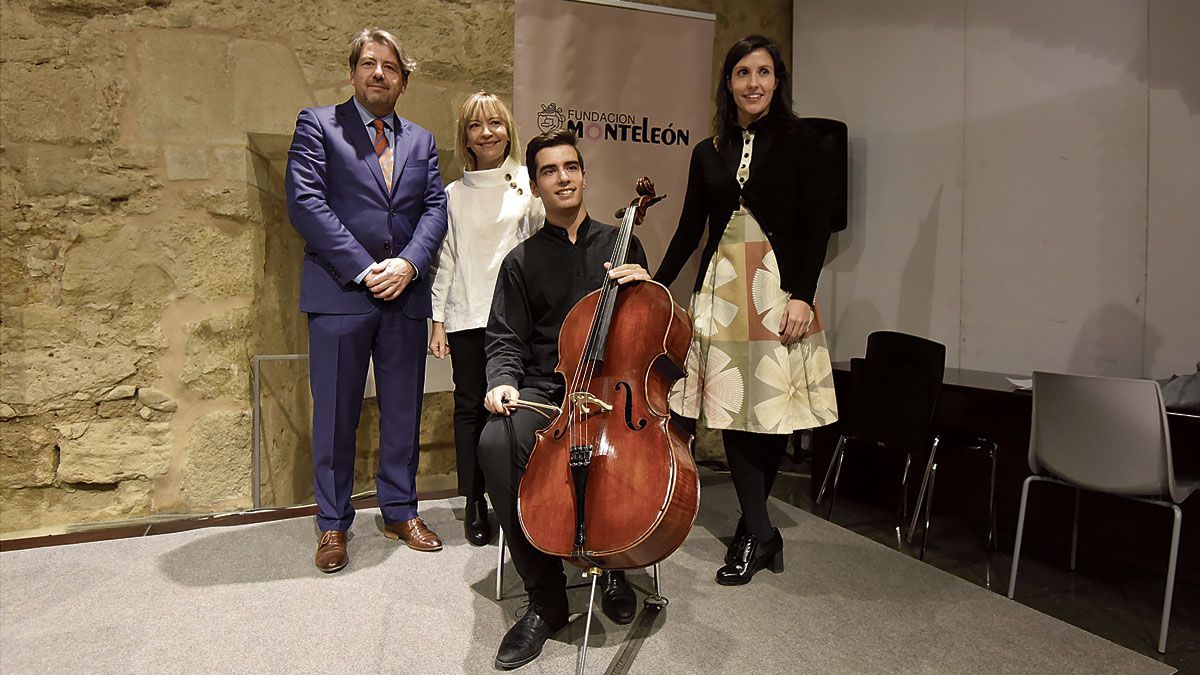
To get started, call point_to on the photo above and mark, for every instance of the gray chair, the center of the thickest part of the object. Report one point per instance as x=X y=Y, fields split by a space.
x=1106 y=435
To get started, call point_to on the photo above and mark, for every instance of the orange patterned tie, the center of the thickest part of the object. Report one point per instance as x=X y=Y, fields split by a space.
x=383 y=151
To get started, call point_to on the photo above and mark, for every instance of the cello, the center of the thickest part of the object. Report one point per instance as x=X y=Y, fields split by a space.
x=611 y=483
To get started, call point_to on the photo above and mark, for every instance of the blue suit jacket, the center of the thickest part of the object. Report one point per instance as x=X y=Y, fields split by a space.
x=339 y=203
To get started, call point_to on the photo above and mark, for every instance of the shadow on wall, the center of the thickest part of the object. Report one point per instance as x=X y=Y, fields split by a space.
x=1102 y=338
x=1011 y=306
x=846 y=247
x=843 y=254
x=915 y=313
x=278 y=328
x=916 y=288
x=858 y=320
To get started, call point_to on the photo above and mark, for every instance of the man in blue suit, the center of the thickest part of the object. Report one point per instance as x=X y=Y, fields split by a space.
x=364 y=190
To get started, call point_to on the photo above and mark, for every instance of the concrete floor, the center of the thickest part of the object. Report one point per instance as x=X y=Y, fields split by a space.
x=1118 y=603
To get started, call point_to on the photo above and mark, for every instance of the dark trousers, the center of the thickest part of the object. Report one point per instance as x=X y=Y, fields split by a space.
x=340 y=348
x=753 y=464
x=504 y=448
x=467 y=358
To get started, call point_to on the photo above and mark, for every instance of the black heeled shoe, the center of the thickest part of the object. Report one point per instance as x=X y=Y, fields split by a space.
x=751 y=557
x=476 y=527
x=735 y=543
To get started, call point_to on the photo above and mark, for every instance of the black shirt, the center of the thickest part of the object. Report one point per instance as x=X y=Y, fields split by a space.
x=539 y=282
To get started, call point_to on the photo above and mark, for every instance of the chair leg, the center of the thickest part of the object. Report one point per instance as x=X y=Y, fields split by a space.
x=837 y=477
x=924 y=483
x=500 y=565
x=992 y=501
x=1166 y=612
x=1075 y=529
x=1012 y=575
x=904 y=492
x=928 y=512
x=837 y=452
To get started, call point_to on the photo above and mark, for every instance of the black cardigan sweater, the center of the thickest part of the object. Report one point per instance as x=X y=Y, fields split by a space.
x=790 y=193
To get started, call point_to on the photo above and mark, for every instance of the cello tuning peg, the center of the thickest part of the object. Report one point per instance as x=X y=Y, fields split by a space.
x=645 y=186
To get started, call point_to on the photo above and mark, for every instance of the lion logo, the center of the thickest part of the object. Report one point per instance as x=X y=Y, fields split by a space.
x=550 y=117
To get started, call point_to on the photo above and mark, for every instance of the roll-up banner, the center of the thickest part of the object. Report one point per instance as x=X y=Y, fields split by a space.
x=634 y=82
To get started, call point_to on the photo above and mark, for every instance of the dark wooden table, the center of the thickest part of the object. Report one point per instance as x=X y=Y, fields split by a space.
x=987 y=404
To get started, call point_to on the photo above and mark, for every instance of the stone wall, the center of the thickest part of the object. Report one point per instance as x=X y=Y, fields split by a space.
x=144 y=250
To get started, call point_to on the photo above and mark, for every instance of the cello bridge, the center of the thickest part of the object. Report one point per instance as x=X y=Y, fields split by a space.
x=584 y=399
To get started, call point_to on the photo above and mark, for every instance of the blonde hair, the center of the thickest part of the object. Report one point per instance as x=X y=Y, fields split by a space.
x=469 y=110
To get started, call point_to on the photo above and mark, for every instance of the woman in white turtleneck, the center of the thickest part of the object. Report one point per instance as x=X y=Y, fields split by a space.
x=490 y=211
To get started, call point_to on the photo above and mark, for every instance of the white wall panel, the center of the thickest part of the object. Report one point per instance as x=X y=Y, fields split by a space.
x=1055 y=197
x=897 y=265
x=1025 y=182
x=1172 y=338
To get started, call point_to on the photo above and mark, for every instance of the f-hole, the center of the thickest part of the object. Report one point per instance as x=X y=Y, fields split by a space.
x=629 y=408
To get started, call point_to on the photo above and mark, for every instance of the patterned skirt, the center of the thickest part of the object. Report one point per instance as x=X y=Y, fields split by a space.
x=739 y=376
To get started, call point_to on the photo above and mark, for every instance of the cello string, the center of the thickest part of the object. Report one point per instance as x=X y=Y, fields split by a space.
x=591 y=337
x=608 y=287
x=586 y=371
x=577 y=425
x=581 y=373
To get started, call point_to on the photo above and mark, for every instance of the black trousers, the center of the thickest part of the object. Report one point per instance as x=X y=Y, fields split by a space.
x=504 y=449
x=467 y=358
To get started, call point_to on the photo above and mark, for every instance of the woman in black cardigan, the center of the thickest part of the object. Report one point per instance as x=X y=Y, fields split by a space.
x=759 y=367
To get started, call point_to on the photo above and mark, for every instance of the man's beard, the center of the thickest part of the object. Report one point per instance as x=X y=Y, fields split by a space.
x=373 y=95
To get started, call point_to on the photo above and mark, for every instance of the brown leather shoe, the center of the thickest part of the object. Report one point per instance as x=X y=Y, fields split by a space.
x=331 y=551
x=414 y=533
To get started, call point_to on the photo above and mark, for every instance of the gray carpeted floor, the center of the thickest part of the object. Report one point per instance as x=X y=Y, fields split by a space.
x=247 y=599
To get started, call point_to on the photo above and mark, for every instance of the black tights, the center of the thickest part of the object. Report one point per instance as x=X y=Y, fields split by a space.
x=753 y=464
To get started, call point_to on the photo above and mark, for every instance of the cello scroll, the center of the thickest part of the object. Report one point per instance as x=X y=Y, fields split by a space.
x=645 y=199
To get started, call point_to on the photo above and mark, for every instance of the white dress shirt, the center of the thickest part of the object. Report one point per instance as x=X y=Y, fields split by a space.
x=489 y=212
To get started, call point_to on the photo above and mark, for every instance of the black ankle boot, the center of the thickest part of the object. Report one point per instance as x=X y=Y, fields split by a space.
x=476 y=527
x=617 y=599
x=735 y=543
x=752 y=557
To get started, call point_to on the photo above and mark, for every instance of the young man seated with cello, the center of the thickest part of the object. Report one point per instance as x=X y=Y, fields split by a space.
x=539 y=282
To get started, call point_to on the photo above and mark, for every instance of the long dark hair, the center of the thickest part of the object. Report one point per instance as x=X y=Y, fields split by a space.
x=779 y=114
